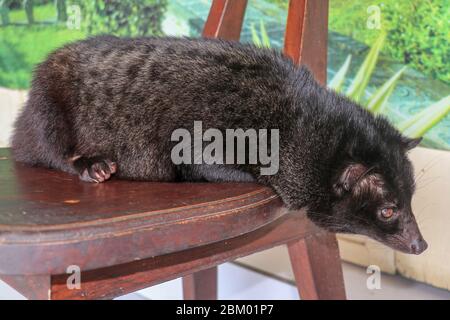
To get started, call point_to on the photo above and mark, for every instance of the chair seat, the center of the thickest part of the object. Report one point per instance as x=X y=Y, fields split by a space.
x=50 y=220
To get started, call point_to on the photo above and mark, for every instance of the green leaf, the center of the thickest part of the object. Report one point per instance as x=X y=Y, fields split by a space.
x=377 y=102
x=339 y=78
x=264 y=36
x=364 y=73
x=255 y=37
x=419 y=124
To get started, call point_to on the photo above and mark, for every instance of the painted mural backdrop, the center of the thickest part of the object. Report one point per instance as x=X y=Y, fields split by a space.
x=392 y=55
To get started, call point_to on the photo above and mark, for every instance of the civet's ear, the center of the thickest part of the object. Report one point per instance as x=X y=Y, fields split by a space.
x=348 y=177
x=411 y=143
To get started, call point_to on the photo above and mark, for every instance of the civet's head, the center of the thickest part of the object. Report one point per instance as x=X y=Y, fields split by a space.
x=373 y=198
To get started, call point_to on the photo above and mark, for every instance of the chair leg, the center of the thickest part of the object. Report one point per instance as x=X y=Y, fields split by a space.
x=317 y=267
x=306 y=35
x=36 y=287
x=201 y=285
x=225 y=19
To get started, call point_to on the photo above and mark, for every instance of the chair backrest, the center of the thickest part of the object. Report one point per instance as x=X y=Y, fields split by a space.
x=306 y=33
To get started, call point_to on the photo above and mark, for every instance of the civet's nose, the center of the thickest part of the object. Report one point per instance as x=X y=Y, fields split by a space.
x=418 y=245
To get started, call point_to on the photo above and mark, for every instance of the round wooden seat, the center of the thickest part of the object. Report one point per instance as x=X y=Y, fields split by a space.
x=50 y=220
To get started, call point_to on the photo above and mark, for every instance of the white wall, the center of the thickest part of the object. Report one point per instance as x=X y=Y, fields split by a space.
x=11 y=101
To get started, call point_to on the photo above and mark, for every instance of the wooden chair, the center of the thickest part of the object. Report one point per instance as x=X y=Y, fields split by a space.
x=125 y=236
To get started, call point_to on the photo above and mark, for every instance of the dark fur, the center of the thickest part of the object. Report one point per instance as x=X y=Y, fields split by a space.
x=115 y=102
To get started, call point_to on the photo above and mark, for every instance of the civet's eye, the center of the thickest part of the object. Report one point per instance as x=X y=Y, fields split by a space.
x=388 y=213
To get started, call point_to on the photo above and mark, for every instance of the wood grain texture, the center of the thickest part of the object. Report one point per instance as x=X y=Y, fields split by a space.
x=36 y=287
x=201 y=285
x=317 y=267
x=306 y=35
x=42 y=232
x=225 y=19
x=295 y=27
x=107 y=283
